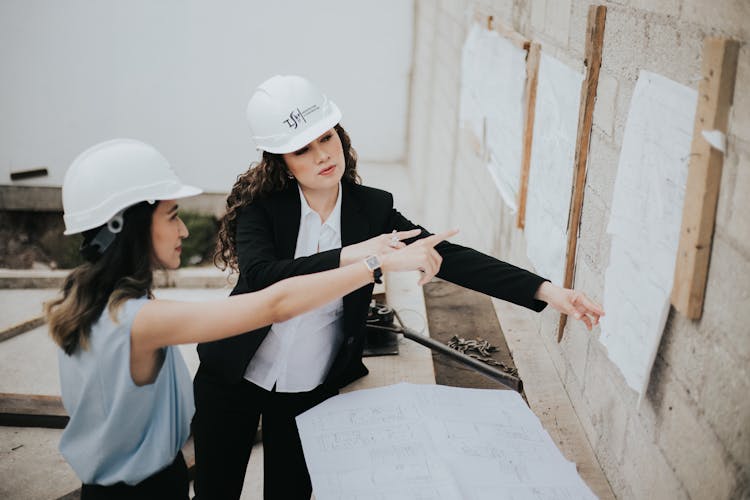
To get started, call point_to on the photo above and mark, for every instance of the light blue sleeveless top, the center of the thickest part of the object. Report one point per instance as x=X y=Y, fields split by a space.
x=119 y=431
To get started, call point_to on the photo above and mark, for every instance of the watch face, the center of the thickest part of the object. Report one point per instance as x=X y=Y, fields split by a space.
x=372 y=262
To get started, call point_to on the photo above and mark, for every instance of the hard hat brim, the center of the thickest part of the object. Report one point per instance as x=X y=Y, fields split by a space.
x=75 y=223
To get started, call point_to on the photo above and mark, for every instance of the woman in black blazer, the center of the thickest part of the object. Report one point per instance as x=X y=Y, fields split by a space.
x=308 y=172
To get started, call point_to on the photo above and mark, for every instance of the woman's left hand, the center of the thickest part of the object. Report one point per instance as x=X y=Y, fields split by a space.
x=570 y=302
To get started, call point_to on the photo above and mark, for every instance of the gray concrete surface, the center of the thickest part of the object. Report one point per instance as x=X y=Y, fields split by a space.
x=31 y=467
x=28 y=364
x=17 y=306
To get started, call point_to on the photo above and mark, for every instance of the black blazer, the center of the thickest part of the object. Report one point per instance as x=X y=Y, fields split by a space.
x=267 y=238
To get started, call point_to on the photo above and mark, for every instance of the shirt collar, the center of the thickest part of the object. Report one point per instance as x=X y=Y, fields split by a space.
x=333 y=221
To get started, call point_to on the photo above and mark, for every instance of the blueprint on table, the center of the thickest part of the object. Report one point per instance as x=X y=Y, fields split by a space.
x=409 y=441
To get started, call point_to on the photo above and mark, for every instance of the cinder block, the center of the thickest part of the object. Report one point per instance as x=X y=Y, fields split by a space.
x=577 y=30
x=504 y=10
x=575 y=347
x=428 y=10
x=725 y=313
x=666 y=7
x=601 y=171
x=590 y=282
x=557 y=20
x=646 y=470
x=723 y=392
x=727 y=413
x=537 y=16
x=725 y=205
x=729 y=17
x=578 y=399
x=593 y=240
x=605 y=107
x=624 y=95
x=684 y=349
x=454 y=10
x=739 y=116
x=734 y=202
x=692 y=449
x=449 y=29
x=607 y=409
x=624 y=43
x=674 y=50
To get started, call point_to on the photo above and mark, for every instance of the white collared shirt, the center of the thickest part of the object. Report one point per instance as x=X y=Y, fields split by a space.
x=297 y=354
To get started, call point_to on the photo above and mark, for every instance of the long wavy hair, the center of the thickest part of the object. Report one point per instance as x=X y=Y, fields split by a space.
x=124 y=271
x=270 y=175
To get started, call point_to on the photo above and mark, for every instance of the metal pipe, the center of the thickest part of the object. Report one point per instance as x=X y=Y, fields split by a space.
x=507 y=380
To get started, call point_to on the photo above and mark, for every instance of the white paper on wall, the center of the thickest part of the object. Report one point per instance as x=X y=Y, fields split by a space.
x=645 y=223
x=410 y=441
x=552 y=165
x=493 y=77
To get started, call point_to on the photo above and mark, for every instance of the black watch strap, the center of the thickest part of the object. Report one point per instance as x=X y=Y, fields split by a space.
x=373 y=264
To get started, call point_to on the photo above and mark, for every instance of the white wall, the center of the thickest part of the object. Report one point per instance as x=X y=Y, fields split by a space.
x=178 y=74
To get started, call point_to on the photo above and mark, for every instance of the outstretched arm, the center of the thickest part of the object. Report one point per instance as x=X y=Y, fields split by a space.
x=160 y=323
x=477 y=271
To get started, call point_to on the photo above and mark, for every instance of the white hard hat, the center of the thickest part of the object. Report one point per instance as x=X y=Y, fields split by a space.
x=287 y=112
x=107 y=178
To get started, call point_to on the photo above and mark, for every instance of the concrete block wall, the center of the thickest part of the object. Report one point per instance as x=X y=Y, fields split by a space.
x=690 y=437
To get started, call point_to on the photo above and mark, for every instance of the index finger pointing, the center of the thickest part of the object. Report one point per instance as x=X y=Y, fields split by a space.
x=437 y=238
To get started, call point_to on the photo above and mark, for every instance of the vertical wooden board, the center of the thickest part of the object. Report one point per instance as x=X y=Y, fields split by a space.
x=715 y=93
x=594 y=42
x=532 y=76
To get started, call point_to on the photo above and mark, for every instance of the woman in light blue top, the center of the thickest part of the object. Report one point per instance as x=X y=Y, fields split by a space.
x=126 y=389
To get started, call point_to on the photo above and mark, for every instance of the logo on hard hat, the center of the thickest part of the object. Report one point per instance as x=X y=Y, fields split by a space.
x=296 y=116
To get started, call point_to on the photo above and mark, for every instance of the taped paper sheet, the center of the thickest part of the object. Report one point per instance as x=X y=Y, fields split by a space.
x=645 y=223
x=493 y=77
x=410 y=441
x=558 y=98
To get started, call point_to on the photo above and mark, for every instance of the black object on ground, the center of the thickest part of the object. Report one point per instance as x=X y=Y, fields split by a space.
x=379 y=341
x=381 y=323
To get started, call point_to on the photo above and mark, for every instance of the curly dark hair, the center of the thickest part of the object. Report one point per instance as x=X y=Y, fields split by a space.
x=263 y=178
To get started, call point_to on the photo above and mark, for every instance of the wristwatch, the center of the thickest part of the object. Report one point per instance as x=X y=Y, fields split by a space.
x=373 y=264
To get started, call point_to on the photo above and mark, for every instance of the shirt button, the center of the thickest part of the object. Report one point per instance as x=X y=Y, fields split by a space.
x=350 y=341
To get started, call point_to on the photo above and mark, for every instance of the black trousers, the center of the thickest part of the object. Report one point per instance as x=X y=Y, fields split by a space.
x=170 y=483
x=224 y=427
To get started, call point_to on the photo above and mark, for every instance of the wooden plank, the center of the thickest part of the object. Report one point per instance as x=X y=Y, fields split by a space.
x=532 y=77
x=715 y=94
x=21 y=327
x=594 y=42
x=454 y=310
x=31 y=410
